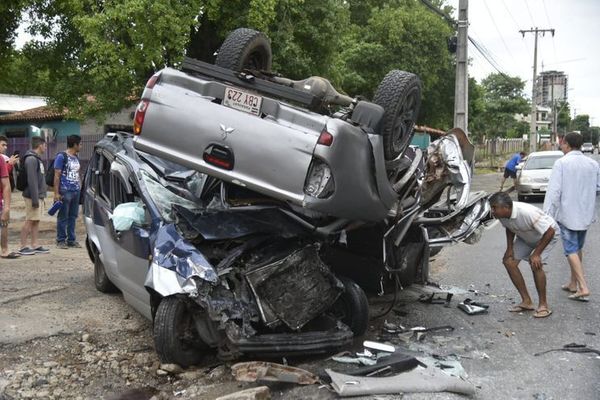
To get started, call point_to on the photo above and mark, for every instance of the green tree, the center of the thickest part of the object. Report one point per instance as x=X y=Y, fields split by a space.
x=581 y=123
x=503 y=99
x=564 y=117
x=401 y=35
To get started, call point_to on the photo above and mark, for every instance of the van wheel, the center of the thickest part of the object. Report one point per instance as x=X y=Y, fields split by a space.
x=399 y=93
x=175 y=336
x=245 y=49
x=352 y=307
x=101 y=281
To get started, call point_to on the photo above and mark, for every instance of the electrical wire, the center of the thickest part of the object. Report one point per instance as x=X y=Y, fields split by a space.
x=498 y=30
x=529 y=12
x=550 y=24
x=516 y=24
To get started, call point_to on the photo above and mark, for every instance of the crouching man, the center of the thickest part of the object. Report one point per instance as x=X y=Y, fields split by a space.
x=530 y=235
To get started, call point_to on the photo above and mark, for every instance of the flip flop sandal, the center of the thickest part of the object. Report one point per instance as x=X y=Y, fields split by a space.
x=520 y=309
x=11 y=256
x=579 y=297
x=542 y=313
x=566 y=288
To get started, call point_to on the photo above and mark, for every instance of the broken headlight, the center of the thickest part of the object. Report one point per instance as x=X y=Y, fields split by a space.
x=319 y=182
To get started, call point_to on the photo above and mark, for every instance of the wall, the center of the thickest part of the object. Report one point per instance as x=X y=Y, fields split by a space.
x=121 y=120
x=63 y=128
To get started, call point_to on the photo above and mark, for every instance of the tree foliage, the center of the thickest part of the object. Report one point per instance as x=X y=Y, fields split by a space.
x=503 y=98
x=106 y=50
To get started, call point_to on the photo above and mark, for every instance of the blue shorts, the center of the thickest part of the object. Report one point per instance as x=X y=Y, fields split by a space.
x=572 y=240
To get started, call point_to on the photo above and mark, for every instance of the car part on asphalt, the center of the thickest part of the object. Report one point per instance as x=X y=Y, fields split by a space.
x=394 y=364
x=418 y=380
x=472 y=307
x=254 y=371
x=572 y=348
x=257 y=393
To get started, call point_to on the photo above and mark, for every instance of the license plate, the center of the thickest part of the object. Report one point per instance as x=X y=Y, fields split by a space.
x=242 y=100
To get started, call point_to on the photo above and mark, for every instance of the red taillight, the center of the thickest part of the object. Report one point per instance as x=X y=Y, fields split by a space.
x=152 y=81
x=326 y=138
x=140 y=114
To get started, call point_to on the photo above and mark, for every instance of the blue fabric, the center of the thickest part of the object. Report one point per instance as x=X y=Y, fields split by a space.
x=67 y=217
x=511 y=165
x=572 y=190
x=69 y=177
x=573 y=241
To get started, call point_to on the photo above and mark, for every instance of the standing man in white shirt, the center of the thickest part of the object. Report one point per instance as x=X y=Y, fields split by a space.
x=530 y=235
x=571 y=200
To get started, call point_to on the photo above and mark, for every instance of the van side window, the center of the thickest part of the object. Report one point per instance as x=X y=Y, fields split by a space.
x=118 y=191
x=91 y=176
x=104 y=178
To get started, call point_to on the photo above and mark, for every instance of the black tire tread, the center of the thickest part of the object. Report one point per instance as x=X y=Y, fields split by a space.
x=387 y=95
x=229 y=55
x=360 y=306
x=101 y=281
x=165 y=335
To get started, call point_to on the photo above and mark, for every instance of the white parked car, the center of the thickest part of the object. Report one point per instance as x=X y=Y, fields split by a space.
x=534 y=174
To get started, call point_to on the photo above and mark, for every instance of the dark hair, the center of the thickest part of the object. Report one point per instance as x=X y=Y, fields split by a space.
x=574 y=140
x=3 y=139
x=36 y=141
x=522 y=154
x=72 y=140
x=501 y=199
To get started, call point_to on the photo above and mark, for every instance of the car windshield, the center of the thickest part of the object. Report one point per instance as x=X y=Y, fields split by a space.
x=165 y=198
x=544 y=162
x=587 y=145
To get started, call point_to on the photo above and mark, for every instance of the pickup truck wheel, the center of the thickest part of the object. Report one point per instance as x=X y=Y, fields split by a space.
x=399 y=93
x=175 y=337
x=245 y=49
x=352 y=307
x=101 y=281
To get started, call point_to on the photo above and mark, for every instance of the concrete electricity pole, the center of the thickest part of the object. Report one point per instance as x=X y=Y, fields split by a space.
x=532 y=129
x=461 y=88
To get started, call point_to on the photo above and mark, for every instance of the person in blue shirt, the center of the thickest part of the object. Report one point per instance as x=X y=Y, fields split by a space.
x=67 y=188
x=510 y=168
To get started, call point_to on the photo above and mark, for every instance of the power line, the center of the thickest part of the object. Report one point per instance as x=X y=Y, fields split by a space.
x=550 y=24
x=515 y=21
x=529 y=11
x=487 y=57
x=498 y=30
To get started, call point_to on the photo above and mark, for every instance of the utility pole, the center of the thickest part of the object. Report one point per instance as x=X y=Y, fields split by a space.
x=533 y=126
x=461 y=87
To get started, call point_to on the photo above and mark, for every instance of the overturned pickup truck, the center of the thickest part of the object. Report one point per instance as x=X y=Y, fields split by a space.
x=246 y=209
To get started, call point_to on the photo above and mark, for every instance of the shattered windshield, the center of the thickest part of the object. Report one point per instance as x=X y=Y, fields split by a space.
x=165 y=198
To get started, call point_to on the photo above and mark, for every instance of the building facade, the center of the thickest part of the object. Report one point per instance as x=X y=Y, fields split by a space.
x=551 y=88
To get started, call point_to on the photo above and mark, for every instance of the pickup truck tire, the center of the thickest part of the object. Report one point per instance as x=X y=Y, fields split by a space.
x=352 y=307
x=399 y=93
x=175 y=337
x=245 y=49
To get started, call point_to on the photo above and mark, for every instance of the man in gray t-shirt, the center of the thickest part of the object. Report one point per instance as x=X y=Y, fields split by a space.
x=530 y=235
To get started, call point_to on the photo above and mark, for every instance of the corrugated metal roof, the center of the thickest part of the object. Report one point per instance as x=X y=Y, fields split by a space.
x=45 y=113
x=11 y=102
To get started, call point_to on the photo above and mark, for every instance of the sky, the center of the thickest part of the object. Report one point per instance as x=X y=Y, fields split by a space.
x=574 y=48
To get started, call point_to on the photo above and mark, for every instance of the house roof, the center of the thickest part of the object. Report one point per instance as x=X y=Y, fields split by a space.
x=11 y=102
x=44 y=113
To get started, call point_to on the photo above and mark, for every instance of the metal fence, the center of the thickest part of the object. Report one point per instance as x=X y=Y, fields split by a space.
x=57 y=145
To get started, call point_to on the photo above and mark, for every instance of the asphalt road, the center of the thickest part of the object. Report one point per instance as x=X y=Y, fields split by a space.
x=512 y=371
